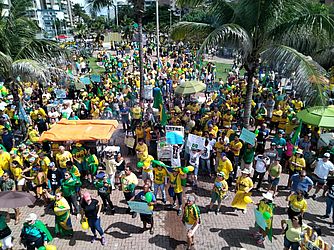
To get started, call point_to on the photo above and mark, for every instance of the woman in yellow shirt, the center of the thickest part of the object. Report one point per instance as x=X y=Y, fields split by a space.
x=297 y=204
x=297 y=163
x=140 y=132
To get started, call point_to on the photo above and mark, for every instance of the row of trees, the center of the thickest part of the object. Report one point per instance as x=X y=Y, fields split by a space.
x=298 y=34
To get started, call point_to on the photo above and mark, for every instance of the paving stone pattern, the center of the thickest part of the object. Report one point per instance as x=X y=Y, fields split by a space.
x=227 y=230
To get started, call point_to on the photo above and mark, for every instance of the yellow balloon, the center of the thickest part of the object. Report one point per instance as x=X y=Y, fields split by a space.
x=191 y=168
x=84 y=225
x=248 y=199
x=51 y=247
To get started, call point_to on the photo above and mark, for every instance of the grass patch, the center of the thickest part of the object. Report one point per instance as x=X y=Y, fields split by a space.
x=95 y=68
x=222 y=70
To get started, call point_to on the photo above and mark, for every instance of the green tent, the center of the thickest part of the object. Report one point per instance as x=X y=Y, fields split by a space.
x=320 y=116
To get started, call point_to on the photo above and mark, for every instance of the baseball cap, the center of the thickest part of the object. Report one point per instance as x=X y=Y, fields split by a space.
x=31 y=217
x=327 y=155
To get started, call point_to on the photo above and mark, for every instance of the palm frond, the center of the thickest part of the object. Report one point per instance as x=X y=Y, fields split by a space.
x=309 y=75
x=223 y=11
x=231 y=34
x=29 y=70
x=188 y=30
x=306 y=32
x=98 y=5
x=5 y=65
x=189 y=3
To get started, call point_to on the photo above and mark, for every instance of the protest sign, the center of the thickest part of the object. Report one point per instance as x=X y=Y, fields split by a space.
x=85 y=80
x=247 y=136
x=195 y=141
x=95 y=78
x=174 y=134
x=259 y=219
x=61 y=93
x=139 y=207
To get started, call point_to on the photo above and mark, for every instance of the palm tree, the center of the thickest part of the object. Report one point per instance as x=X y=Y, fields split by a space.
x=18 y=39
x=267 y=31
x=21 y=53
x=98 y=5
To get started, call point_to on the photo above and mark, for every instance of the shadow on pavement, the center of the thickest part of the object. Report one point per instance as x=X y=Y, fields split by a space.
x=166 y=242
x=126 y=230
x=235 y=236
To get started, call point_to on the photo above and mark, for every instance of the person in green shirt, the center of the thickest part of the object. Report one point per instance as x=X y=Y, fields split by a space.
x=34 y=233
x=5 y=233
x=248 y=156
x=91 y=164
x=68 y=188
x=103 y=186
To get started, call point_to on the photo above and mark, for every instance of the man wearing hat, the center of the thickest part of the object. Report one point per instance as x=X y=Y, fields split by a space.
x=103 y=186
x=79 y=153
x=265 y=206
x=244 y=185
x=34 y=233
x=191 y=219
x=296 y=163
x=322 y=169
x=219 y=191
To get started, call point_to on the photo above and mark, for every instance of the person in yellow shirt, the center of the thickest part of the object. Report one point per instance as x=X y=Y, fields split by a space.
x=277 y=114
x=141 y=150
x=62 y=157
x=160 y=180
x=175 y=190
x=297 y=204
x=136 y=114
x=227 y=119
x=298 y=104
x=129 y=181
x=4 y=161
x=33 y=134
x=244 y=185
x=140 y=132
x=14 y=157
x=224 y=165
x=191 y=219
x=44 y=163
x=235 y=147
x=297 y=163
x=219 y=191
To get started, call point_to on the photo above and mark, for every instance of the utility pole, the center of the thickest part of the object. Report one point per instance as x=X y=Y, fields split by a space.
x=158 y=32
x=140 y=11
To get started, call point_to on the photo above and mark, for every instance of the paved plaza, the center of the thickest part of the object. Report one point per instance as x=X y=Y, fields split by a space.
x=228 y=230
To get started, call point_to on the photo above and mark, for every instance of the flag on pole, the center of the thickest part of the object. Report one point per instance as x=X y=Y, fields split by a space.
x=163 y=115
x=157 y=98
x=295 y=136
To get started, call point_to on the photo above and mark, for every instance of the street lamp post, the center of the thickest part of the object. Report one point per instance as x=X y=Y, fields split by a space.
x=157 y=24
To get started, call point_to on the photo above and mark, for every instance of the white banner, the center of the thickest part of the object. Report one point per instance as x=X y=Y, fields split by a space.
x=195 y=141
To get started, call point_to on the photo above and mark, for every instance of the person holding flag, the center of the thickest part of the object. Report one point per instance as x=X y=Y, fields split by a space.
x=266 y=208
x=191 y=219
x=219 y=191
x=146 y=196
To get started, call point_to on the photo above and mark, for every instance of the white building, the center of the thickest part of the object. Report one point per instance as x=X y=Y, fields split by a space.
x=47 y=12
x=5 y=7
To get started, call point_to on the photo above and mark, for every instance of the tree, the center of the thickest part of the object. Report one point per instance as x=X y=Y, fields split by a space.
x=18 y=38
x=273 y=31
x=98 y=5
x=78 y=10
x=21 y=53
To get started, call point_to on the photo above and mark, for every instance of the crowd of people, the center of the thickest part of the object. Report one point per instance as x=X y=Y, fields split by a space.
x=59 y=174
